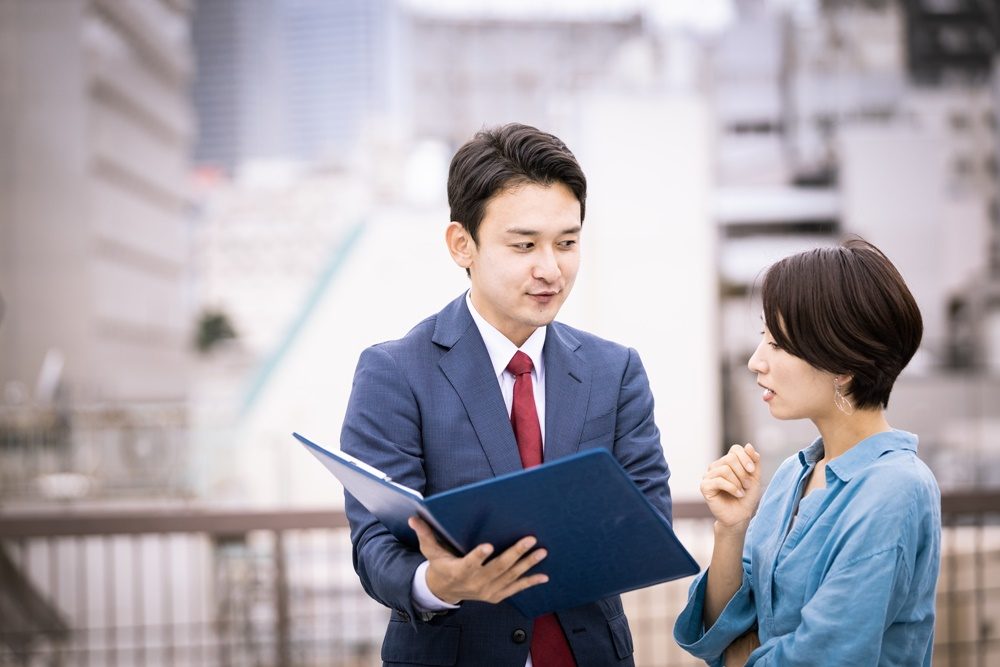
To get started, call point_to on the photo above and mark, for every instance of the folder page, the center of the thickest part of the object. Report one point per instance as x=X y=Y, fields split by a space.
x=393 y=504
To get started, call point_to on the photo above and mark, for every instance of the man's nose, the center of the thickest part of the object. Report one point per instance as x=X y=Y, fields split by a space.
x=546 y=266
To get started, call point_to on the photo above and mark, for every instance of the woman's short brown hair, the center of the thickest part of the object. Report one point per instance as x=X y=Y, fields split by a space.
x=845 y=310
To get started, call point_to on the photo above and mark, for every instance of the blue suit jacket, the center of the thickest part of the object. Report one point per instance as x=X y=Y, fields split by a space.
x=427 y=410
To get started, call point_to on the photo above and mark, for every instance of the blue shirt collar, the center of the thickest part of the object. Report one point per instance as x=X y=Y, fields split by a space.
x=861 y=455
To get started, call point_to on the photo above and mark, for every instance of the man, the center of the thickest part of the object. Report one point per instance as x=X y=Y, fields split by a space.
x=487 y=386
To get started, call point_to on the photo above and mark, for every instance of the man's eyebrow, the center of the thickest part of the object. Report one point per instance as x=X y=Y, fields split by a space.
x=519 y=231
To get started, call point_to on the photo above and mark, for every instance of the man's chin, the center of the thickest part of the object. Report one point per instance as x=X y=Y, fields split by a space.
x=544 y=320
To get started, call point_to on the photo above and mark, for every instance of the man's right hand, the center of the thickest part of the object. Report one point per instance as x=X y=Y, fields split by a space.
x=453 y=579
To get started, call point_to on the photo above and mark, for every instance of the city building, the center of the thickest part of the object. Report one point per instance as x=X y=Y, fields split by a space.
x=97 y=321
x=842 y=120
x=468 y=70
x=291 y=80
x=94 y=233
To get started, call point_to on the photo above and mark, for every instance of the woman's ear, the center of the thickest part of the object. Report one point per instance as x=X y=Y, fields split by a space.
x=460 y=244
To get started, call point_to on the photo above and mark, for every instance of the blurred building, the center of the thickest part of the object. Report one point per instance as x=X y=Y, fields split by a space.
x=470 y=71
x=94 y=243
x=261 y=247
x=295 y=80
x=96 y=328
x=877 y=119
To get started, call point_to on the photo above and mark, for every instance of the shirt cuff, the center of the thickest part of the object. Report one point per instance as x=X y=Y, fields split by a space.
x=423 y=599
x=738 y=616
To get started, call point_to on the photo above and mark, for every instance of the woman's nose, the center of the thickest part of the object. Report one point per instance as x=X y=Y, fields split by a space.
x=756 y=364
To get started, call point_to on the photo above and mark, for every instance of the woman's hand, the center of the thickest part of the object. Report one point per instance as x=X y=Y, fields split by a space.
x=732 y=487
x=739 y=651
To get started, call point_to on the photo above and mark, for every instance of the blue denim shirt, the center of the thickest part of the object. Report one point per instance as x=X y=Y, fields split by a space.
x=850 y=580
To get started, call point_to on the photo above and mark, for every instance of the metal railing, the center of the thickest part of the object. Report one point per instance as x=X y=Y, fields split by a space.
x=182 y=586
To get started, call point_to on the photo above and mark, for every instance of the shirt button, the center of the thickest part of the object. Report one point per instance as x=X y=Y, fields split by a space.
x=519 y=636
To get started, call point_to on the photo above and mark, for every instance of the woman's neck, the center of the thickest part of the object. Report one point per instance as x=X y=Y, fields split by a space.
x=841 y=432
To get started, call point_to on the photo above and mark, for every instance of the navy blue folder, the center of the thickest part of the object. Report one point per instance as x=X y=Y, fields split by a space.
x=602 y=534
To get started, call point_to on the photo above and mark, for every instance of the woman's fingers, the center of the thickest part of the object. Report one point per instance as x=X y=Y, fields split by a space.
x=735 y=473
x=711 y=487
x=726 y=472
x=736 y=466
x=743 y=456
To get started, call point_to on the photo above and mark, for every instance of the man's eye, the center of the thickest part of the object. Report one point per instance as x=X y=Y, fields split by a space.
x=568 y=244
x=523 y=246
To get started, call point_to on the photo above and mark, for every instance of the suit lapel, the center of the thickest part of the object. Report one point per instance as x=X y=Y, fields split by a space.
x=567 y=392
x=467 y=366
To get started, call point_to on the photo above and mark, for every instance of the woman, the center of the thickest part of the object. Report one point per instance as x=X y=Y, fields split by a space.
x=838 y=566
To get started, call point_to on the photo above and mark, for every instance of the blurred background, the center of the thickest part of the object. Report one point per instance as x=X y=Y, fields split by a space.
x=208 y=208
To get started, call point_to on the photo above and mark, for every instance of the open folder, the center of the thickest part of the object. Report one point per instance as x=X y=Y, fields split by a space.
x=602 y=534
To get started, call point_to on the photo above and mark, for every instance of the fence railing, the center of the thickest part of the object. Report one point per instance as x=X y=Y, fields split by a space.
x=183 y=586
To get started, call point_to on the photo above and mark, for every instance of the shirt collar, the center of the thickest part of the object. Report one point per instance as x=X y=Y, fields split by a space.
x=501 y=349
x=861 y=455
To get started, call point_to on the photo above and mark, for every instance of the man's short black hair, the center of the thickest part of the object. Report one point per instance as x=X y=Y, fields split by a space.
x=845 y=310
x=500 y=158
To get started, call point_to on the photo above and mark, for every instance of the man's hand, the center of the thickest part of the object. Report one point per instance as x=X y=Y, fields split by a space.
x=741 y=648
x=453 y=579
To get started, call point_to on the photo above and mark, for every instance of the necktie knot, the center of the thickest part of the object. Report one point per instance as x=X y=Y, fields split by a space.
x=520 y=364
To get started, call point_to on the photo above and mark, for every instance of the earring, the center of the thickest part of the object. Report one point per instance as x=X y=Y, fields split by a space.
x=842 y=402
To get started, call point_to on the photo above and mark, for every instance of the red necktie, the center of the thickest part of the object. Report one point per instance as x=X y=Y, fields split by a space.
x=549 y=647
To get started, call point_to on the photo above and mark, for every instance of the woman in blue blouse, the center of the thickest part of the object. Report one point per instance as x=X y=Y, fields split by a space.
x=838 y=565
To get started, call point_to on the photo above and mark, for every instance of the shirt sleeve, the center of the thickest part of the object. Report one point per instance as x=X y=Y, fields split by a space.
x=738 y=616
x=844 y=622
x=425 y=601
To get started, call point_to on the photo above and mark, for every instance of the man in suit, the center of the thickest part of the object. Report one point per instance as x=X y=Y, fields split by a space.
x=485 y=387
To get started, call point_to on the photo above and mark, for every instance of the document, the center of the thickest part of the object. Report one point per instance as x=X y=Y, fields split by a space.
x=602 y=534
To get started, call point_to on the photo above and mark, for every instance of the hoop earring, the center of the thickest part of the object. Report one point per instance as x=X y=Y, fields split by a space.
x=842 y=402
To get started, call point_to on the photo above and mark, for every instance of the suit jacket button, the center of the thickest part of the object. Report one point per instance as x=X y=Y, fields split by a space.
x=519 y=636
